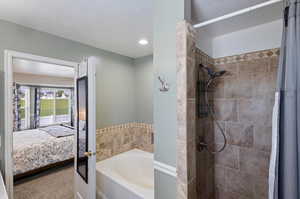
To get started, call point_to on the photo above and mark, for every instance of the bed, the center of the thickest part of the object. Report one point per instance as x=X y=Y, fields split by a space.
x=36 y=149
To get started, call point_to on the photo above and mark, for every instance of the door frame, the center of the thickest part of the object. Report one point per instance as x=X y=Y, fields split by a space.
x=9 y=55
x=83 y=188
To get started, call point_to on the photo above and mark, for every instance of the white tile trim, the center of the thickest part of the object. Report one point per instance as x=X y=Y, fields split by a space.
x=167 y=169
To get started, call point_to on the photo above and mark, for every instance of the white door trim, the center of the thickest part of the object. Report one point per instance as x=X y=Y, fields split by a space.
x=87 y=190
x=8 y=82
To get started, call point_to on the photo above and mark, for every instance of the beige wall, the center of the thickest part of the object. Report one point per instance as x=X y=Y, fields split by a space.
x=42 y=80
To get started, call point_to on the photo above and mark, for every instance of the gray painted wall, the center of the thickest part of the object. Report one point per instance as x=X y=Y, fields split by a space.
x=144 y=89
x=167 y=14
x=165 y=20
x=115 y=92
x=115 y=76
x=115 y=79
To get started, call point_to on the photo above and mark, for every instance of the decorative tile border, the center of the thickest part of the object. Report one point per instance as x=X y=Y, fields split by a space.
x=125 y=126
x=247 y=56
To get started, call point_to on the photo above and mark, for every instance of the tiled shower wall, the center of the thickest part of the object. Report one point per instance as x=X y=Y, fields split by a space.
x=204 y=160
x=186 y=114
x=243 y=101
x=117 y=139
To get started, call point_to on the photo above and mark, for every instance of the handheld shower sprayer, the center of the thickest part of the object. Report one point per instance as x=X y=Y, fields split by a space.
x=212 y=75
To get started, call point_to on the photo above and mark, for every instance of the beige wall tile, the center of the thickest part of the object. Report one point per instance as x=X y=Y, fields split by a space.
x=243 y=100
x=117 y=139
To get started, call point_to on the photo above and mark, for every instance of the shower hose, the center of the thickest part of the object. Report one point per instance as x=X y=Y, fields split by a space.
x=213 y=117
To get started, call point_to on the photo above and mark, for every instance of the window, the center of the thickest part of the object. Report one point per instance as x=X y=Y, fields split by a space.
x=62 y=105
x=55 y=106
x=52 y=106
x=24 y=110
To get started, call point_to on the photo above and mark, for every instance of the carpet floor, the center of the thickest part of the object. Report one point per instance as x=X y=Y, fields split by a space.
x=53 y=184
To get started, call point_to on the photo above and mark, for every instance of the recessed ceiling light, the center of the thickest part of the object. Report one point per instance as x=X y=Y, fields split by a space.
x=143 y=42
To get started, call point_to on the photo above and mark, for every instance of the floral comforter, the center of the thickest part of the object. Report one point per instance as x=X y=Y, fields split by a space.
x=33 y=149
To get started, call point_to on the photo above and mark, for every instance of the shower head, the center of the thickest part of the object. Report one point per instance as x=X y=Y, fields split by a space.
x=211 y=73
x=219 y=73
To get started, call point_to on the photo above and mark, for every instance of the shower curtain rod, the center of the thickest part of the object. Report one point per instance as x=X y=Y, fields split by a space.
x=237 y=13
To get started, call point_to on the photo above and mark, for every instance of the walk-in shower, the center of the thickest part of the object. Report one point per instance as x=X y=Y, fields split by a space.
x=212 y=75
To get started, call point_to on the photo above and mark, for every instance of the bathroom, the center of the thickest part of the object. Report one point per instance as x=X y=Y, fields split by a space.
x=182 y=101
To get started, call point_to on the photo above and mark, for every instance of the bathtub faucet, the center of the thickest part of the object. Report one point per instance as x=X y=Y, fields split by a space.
x=152 y=138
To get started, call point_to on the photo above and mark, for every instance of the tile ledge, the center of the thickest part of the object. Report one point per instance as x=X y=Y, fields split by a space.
x=165 y=168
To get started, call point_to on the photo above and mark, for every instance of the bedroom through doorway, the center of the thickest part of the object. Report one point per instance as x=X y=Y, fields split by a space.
x=43 y=136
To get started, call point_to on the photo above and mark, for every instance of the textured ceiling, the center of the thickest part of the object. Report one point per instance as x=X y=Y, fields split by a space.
x=113 y=25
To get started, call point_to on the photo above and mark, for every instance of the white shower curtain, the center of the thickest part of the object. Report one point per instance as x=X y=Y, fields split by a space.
x=284 y=172
x=273 y=171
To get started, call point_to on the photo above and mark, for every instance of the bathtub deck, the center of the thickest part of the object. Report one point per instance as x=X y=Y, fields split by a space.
x=129 y=175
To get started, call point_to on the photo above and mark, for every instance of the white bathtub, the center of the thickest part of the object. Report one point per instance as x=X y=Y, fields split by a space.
x=129 y=175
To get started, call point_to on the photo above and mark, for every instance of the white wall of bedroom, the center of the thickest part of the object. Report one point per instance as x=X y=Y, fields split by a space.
x=43 y=74
x=32 y=79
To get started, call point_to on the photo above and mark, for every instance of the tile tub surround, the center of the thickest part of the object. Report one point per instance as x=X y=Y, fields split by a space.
x=117 y=139
x=243 y=101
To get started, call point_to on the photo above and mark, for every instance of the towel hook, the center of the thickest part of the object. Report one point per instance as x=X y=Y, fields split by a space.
x=164 y=85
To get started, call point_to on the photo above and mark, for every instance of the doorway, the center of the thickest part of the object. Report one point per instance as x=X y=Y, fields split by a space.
x=39 y=118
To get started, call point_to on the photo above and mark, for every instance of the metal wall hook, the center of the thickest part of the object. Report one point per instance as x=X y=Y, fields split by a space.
x=164 y=85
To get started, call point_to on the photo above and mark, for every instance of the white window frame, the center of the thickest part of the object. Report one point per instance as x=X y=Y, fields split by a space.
x=27 y=108
x=54 y=121
x=69 y=101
